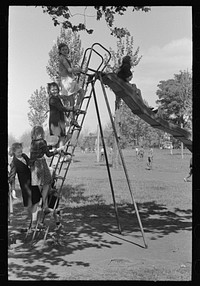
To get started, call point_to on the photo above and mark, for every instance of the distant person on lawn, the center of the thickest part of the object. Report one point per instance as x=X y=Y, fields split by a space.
x=190 y=171
x=150 y=158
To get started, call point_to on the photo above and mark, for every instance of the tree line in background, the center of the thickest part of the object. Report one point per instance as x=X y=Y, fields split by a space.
x=174 y=104
x=174 y=95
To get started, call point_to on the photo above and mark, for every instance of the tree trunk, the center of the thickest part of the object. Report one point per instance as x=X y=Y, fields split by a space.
x=116 y=158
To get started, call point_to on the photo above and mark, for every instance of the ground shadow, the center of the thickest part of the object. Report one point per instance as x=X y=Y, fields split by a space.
x=85 y=221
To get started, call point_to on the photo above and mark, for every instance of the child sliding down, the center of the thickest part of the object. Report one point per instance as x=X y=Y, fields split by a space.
x=126 y=75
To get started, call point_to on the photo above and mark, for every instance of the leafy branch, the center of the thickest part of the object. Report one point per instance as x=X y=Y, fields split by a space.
x=61 y=15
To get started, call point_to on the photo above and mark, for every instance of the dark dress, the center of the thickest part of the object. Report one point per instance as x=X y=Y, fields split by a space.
x=40 y=173
x=56 y=117
x=124 y=71
x=190 y=167
x=30 y=194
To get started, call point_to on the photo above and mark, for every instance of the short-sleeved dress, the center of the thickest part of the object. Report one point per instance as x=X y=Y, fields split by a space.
x=124 y=71
x=30 y=194
x=40 y=173
x=69 y=84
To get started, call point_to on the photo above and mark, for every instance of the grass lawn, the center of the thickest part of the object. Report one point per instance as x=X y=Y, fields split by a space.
x=163 y=199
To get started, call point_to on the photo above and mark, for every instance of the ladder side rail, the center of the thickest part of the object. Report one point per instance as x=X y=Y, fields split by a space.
x=92 y=49
x=85 y=74
x=87 y=64
x=122 y=159
x=102 y=59
x=74 y=129
x=106 y=51
x=58 y=161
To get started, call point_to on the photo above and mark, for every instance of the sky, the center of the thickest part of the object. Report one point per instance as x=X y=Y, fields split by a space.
x=163 y=35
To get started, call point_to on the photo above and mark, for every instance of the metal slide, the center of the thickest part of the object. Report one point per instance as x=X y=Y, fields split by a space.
x=128 y=94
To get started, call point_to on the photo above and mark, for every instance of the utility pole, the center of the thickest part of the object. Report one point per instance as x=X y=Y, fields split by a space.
x=98 y=135
x=182 y=144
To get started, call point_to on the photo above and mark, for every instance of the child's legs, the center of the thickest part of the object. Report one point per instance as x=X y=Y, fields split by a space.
x=45 y=190
x=34 y=212
x=61 y=141
x=71 y=100
x=80 y=96
x=55 y=216
x=138 y=92
x=36 y=195
x=26 y=196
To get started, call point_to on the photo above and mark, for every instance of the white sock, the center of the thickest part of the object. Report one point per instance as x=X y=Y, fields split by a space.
x=34 y=216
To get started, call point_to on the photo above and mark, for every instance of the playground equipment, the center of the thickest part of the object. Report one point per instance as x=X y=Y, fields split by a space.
x=124 y=91
x=128 y=94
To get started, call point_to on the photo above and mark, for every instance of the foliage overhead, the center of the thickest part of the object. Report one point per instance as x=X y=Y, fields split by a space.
x=38 y=105
x=61 y=15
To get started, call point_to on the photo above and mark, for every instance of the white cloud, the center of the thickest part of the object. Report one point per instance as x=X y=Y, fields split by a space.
x=175 y=56
x=161 y=63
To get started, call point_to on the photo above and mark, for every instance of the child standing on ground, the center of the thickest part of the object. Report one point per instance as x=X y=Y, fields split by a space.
x=190 y=172
x=150 y=158
x=20 y=165
x=136 y=151
x=40 y=173
x=71 y=92
x=53 y=200
x=141 y=152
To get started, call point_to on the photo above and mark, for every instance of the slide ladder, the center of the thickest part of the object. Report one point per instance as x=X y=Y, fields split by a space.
x=58 y=161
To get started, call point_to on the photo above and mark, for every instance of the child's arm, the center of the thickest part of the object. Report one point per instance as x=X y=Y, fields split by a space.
x=58 y=104
x=26 y=158
x=11 y=175
x=46 y=150
x=67 y=66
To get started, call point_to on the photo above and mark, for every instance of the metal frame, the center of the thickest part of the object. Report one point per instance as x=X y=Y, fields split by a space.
x=91 y=80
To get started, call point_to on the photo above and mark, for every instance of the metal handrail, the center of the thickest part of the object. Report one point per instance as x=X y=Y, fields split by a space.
x=91 y=49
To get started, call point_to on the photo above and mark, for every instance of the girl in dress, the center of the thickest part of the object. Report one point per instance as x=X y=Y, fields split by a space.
x=71 y=91
x=40 y=173
x=124 y=71
x=57 y=117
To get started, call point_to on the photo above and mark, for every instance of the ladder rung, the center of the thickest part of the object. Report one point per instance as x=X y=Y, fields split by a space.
x=89 y=96
x=58 y=177
x=81 y=112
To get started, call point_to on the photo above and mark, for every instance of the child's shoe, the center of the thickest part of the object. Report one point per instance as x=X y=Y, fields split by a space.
x=58 y=226
x=47 y=211
x=79 y=111
x=13 y=194
x=75 y=123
